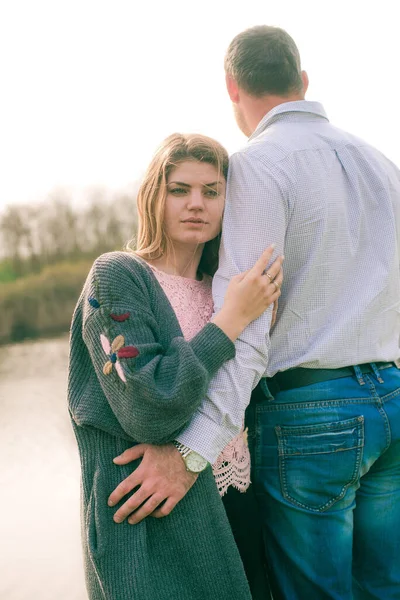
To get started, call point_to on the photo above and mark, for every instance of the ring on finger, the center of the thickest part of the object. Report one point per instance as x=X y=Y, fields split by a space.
x=269 y=276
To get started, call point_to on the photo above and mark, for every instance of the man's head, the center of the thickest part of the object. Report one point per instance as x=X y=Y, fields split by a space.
x=262 y=67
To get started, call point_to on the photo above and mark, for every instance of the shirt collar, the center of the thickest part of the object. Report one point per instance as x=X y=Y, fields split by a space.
x=299 y=106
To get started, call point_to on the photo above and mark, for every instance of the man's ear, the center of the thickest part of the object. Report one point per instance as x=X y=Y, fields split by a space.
x=232 y=88
x=304 y=78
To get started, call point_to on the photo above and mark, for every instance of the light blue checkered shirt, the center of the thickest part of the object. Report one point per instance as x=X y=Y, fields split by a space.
x=331 y=203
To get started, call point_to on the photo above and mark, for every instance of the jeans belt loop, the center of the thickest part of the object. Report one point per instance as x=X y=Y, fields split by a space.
x=376 y=372
x=359 y=375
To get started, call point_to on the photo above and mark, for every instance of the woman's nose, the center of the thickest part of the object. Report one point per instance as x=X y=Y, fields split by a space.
x=196 y=200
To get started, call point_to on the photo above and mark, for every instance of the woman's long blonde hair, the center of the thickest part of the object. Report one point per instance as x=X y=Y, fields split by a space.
x=152 y=241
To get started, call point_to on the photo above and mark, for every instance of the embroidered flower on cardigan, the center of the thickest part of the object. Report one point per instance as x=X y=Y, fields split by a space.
x=93 y=299
x=120 y=318
x=116 y=350
x=93 y=302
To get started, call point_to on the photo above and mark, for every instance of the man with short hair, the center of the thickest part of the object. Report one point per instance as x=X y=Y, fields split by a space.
x=324 y=416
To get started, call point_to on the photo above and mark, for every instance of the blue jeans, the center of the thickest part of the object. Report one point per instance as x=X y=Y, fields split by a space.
x=326 y=473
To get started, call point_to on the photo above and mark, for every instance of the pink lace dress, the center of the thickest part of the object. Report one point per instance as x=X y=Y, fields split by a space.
x=193 y=306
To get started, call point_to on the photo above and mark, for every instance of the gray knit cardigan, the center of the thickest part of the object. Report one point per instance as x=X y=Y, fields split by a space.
x=144 y=388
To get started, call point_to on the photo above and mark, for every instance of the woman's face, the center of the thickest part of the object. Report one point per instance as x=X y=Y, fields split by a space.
x=194 y=204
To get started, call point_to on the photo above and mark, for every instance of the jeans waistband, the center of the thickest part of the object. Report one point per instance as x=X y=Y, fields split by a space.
x=300 y=377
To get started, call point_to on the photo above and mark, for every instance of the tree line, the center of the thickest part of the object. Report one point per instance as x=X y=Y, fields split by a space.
x=46 y=251
x=59 y=229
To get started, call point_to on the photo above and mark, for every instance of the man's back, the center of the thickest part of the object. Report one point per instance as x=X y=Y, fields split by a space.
x=340 y=301
x=325 y=441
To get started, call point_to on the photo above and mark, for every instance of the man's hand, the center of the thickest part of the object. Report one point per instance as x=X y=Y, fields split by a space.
x=162 y=477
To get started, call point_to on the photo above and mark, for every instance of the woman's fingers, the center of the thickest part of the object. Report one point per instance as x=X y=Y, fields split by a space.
x=274 y=312
x=275 y=296
x=261 y=264
x=273 y=271
x=279 y=278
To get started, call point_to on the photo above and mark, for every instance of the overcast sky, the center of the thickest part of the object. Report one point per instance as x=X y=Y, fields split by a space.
x=89 y=88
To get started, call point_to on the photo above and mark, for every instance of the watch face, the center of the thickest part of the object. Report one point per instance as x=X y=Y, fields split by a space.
x=195 y=462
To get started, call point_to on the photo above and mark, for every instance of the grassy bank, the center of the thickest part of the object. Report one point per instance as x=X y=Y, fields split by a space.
x=41 y=305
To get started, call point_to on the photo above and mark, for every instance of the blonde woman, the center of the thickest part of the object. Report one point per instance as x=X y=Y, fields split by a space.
x=142 y=355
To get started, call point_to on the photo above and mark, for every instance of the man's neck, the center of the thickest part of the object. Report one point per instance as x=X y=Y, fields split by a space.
x=255 y=109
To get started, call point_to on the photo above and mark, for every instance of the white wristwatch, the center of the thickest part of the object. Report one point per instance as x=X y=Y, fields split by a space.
x=193 y=461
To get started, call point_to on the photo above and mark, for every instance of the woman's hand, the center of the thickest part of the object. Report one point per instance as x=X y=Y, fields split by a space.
x=249 y=294
x=274 y=313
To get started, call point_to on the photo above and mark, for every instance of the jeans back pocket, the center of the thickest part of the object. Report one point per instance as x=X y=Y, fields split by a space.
x=318 y=463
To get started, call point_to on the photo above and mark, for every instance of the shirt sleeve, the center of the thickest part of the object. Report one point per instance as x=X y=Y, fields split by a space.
x=256 y=215
x=153 y=388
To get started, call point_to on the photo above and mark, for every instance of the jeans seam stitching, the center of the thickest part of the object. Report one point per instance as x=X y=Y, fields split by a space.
x=390 y=395
x=316 y=404
x=320 y=427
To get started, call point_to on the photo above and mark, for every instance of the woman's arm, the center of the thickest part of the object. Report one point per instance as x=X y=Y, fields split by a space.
x=152 y=390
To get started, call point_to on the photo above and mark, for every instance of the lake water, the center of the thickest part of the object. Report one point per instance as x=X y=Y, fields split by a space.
x=40 y=552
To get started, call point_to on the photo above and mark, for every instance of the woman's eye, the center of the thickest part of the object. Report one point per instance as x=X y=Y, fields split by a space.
x=211 y=193
x=178 y=191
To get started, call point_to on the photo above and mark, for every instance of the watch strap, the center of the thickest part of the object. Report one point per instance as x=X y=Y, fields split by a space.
x=182 y=449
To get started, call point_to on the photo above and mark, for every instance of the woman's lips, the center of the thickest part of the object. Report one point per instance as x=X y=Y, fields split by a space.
x=194 y=221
